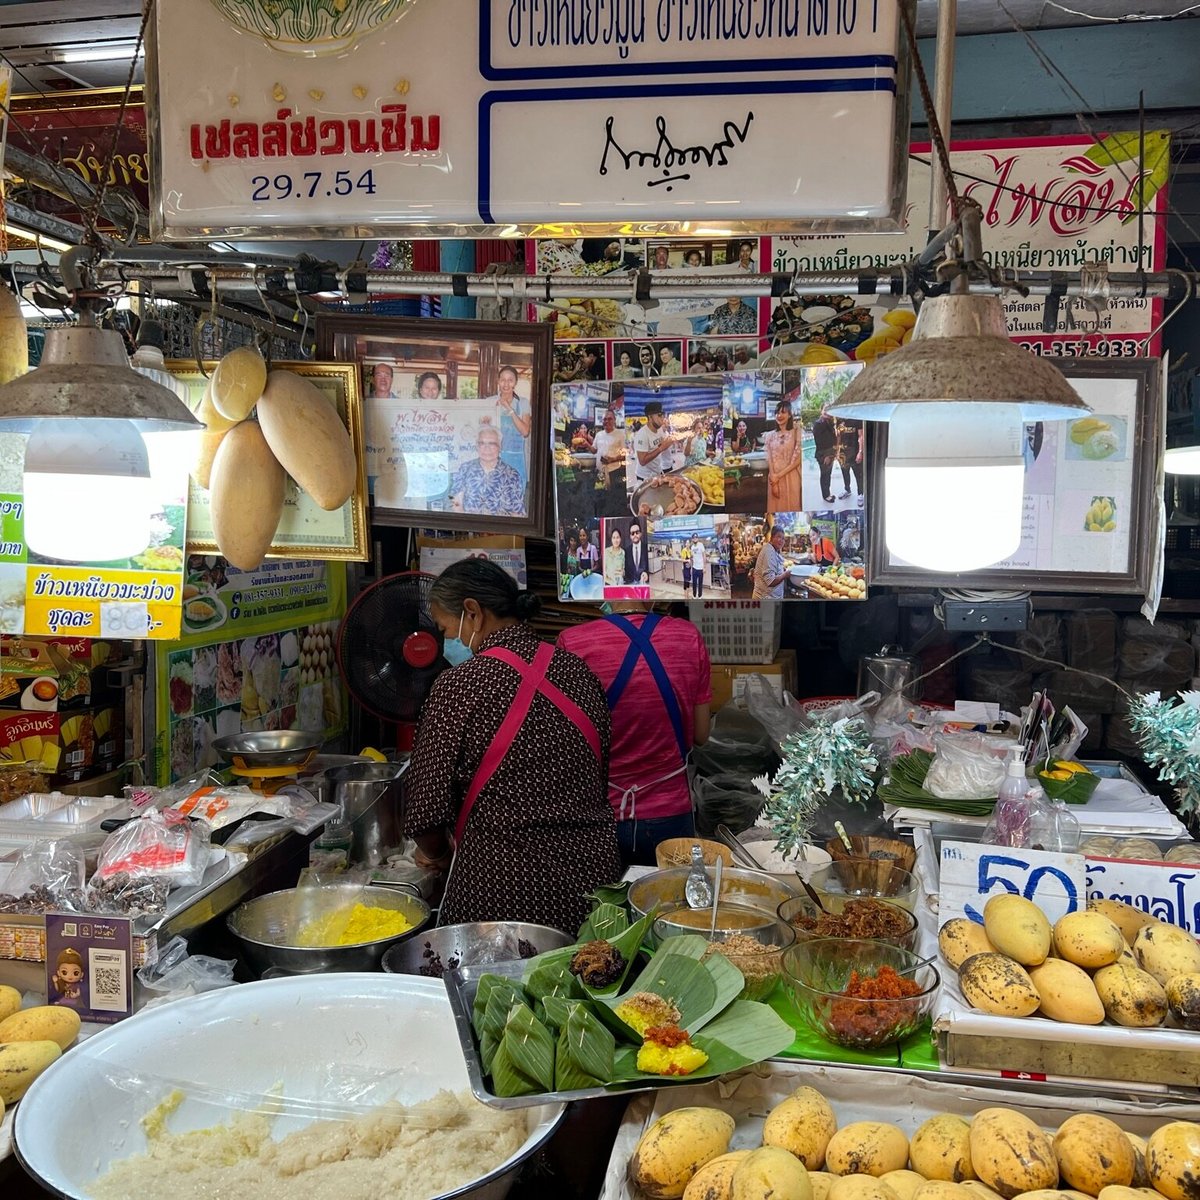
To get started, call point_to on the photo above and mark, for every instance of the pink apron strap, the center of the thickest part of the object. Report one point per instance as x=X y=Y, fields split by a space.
x=533 y=680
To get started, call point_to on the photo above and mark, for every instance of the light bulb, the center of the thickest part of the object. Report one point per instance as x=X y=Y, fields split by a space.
x=954 y=484
x=88 y=496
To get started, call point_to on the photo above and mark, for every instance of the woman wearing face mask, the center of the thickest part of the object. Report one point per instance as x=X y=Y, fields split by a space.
x=511 y=760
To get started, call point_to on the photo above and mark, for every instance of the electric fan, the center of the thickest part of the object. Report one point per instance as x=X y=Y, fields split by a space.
x=389 y=650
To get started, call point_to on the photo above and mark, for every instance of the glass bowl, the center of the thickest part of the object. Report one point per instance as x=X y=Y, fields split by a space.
x=757 y=953
x=867 y=877
x=677 y=919
x=816 y=972
x=801 y=912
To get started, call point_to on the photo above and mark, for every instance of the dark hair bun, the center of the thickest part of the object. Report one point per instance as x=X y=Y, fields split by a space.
x=528 y=605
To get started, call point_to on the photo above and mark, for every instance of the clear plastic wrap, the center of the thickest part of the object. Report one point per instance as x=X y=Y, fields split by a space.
x=49 y=876
x=966 y=766
x=176 y=974
x=162 y=845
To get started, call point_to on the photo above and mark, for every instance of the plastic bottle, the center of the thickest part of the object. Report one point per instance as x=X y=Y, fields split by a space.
x=330 y=851
x=1010 y=823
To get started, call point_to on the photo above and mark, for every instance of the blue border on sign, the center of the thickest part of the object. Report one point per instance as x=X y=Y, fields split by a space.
x=842 y=62
x=768 y=88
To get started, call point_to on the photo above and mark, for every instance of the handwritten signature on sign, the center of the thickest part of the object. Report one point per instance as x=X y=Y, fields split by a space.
x=667 y=158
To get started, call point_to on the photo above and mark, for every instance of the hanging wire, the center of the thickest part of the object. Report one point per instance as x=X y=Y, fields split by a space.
x=92 y=217
x=935 y=129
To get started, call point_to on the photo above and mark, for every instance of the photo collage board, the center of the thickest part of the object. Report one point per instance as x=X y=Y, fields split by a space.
x=597 y=339
x=732 y=485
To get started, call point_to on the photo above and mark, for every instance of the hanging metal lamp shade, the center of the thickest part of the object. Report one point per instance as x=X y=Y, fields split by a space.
x=960 y=353
x=84 y=372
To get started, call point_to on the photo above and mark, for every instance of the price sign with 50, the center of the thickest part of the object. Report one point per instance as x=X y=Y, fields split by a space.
x=971 y=874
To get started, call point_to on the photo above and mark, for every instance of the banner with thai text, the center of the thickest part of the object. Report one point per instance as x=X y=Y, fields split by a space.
x=1049 y=204
x=496 y=117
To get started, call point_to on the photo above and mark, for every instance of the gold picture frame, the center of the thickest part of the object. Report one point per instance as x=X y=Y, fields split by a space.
x=306 y=530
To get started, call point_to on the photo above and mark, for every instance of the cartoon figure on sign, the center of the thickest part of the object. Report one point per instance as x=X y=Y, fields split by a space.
x=68 y=977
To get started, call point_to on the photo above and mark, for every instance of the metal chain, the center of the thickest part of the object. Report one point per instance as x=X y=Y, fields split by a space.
x=935 y=129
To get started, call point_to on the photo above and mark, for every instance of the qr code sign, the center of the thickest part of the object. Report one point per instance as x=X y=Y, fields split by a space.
x=108 y=980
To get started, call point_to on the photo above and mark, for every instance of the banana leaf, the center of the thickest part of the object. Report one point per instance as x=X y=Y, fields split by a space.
x=489 y=1043
x=507 y=1078
x=605 y=921
x=556 y=1010
x=483 y=993
x=528 y=1046
x=629 y=943
x=500 y=1004
x=664 y=977
x=553 y=979
x=586 y=1051
x=745 y=1033
x=611 y=893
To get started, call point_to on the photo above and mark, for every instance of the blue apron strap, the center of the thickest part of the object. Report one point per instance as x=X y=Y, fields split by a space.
x=640 y=647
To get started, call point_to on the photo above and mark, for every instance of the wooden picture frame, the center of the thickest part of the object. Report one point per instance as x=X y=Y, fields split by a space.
x=305 y=530
x=447 y=398
x=1108 y=385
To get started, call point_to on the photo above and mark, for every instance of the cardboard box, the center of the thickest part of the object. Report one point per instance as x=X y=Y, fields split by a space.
x=45 y=674
x=729 y=679
x=67 y=745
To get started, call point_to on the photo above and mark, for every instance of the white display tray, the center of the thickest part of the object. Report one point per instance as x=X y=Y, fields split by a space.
x=858 y=1095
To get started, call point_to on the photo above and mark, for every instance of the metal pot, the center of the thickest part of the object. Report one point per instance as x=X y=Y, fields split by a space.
x=370 y=797
x=315 y=777
x=890 y=672
x=470 y=945
x=269 y=927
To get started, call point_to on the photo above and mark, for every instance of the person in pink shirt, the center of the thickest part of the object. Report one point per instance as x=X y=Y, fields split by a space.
x=657 y=678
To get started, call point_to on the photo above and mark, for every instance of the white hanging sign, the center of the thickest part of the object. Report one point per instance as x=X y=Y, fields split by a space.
x=275 y=118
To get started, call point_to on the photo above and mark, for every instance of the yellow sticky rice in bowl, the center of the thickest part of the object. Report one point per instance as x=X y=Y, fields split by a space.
x=352 y=925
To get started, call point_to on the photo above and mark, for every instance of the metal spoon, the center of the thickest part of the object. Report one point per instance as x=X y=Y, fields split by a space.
x=712 y=929
x=917 y=965
x=697 y=890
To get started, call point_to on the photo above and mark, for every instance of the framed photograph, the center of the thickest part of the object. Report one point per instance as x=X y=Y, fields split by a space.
x=457 y=414
x=305 y=530
x=1090 y=510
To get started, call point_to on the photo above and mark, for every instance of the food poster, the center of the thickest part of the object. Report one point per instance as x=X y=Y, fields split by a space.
x=135 y=597
x=609 y=339
x=1079 y=485
x=667 y=489
x=257 y=654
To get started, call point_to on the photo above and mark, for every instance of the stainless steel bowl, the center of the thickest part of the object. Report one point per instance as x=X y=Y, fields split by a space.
x=470 y=945
x=271 y=748
x=664 y=889
x=268 y=927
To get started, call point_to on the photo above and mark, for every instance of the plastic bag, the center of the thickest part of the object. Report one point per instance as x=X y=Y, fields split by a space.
x=160 y=845
x=177 y=974
x=142 y=796
x=725 y=800
x=1018 y=822
x=966 y=767
x=48 y=876
x=777 y=716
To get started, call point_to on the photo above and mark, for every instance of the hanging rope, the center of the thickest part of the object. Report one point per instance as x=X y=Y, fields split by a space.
x=935 y=129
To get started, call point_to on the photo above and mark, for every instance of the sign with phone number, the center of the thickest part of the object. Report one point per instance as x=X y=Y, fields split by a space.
x=971 y=874
x=1093 y=345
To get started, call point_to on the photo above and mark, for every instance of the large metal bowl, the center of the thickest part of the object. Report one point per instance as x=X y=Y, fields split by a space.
x=268 y=927
x=270 y=748
x=471 y=945
x=664 y=889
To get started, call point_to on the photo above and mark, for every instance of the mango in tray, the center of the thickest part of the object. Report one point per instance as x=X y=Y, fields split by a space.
x=1070 y=782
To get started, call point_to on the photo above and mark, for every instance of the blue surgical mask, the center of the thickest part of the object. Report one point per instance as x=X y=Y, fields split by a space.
x=455 y=650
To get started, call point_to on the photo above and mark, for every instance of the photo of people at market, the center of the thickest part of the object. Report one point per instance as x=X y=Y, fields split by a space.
x=590 y=450
x=676 y=449
x=689 y=558
x=798 y=555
